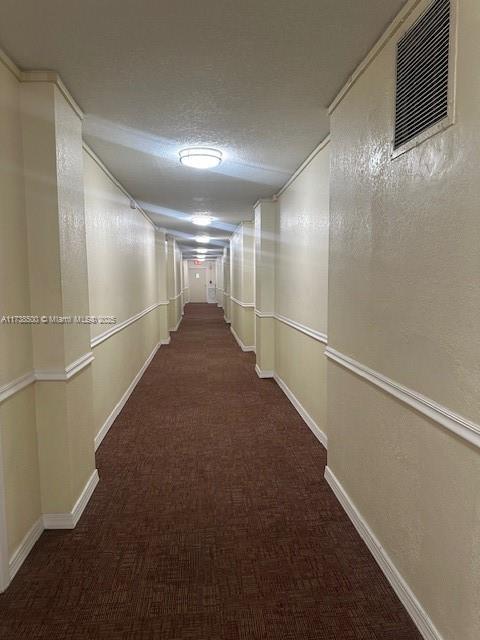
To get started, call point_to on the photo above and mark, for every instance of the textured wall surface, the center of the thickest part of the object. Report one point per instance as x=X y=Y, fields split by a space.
x=17 y=414
x=301 y=276
x=404 y=300
x=242 y=282
x=301 y=283
x=124 y=263
x=121 y=250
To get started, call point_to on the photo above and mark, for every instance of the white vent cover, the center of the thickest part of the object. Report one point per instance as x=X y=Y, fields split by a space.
x=422 y=73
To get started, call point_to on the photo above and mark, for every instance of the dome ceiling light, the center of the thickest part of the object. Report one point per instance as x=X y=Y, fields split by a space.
x=202 y=219
x=200 y=157
x=202 y=250
x=203 y=239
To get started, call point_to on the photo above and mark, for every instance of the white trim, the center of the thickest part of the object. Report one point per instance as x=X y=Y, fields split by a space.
x=242 y=346
x=70 y=371
x=264 y=314
x=21 y=552
x=313 y=333
x=165 y=340
x=10 y=388
x=110 y=175
x=389 y=32
x=70 y=520
x=163 y=303
x=307 y=418
x=4 y=565
x=175 y=297
x=262 y=373
x=10 y=65
x=226 y=319
x=54 y=78
x=304 y=165
x=175 y=328
x=96 y=340
x=121 y=403
x=41 y=76
x=406 y=596
x=462 y=427
x=242 y=304
x=260 y=200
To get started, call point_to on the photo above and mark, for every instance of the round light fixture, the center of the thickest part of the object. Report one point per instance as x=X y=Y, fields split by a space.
x=202 y=250
x=200 y=157
x=202 y=219
x=203 y=239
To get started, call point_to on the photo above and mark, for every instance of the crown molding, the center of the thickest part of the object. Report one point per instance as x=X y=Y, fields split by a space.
x=389 y=32
x=41 y=76
x=304 y=165
x=118 y=184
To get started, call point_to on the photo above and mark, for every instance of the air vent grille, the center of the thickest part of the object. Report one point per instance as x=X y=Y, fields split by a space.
x=422 y=73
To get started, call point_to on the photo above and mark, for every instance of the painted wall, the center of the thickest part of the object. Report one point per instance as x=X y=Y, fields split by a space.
x=242 y=313
x=404 y=301
x=174 y=283
x=219 y=280
x=122 y=266
x=301 y=285
x=17 y=411
x=226 y=283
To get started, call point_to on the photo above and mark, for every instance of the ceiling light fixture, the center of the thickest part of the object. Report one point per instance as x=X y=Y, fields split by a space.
x=203 y=239
x=202 y=219
x=202 y=250
x=200 y=157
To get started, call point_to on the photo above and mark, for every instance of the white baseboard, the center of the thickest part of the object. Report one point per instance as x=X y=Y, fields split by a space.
x=309 y=421
x=69 y=520
x=178 y=324
x=52 y=521
x=401 y=588
x=226 y=319
x=20 y=554
x=165 y=340
x=242 y=346
x=262 y=373
x=121 y=403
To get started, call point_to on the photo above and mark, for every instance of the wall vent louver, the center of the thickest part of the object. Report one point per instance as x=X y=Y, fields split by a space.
x=423 y=73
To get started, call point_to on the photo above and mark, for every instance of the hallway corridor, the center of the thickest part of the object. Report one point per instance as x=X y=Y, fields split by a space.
x=212 y=520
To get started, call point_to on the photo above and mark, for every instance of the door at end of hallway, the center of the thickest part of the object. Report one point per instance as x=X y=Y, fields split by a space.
x=198 y=284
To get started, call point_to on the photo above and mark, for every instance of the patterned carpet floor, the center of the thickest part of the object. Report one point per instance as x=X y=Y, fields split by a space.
x=211 y=520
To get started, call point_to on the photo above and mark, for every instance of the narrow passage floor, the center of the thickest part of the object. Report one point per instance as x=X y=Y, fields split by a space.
x=211 y=520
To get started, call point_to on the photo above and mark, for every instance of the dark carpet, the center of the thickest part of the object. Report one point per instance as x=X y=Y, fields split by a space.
x=212 y=520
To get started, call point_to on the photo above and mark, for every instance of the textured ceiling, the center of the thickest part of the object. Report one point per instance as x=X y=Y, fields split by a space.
x=250 y=77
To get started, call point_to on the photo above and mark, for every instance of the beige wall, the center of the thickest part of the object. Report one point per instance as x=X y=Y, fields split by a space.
x=219 y=280
x=226 y=283
x=121 y=250
x=242 y=286
x=404 y=302
x=174 y=283
x=301 y=285
x=126 y=259
x=18 y=443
